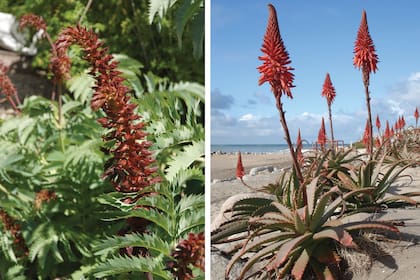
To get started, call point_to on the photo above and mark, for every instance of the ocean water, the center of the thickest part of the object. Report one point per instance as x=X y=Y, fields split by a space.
x=254 y=148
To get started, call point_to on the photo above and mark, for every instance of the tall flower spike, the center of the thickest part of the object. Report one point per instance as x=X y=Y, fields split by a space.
x=365 y=56
x=367 y=136
x=322 y=136
x=328 y=90
x=378 y=122
x=387 y=133
x=275 y=69
x=129 y=169
x=239 y=167
x=416 y=115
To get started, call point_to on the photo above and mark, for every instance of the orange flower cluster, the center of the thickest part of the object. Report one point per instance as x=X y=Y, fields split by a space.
x=188 y=252
x=367 y=136
x=32 y=20
x=44 y=195
x=322 y=135
x=328 y=90
x=7 y=88
x=239 y=167
x=275 y=69
x=129 y=170
x=14 y=228
x=365 y=56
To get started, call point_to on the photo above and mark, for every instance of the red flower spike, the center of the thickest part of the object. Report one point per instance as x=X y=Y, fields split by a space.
x=328 y=90
x=188 y=252
x=129 y=169
x=377 y=142
x=365 y=56
x=275 y=69
x=239 y=167
x=34 y=20
x=387 y=133
x=322 y=136
x=378 y=122
x=416 y=114
x=367 y=136
x=402 y=122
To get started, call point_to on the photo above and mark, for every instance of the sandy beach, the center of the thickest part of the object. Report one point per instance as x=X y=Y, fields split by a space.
x=223 y=166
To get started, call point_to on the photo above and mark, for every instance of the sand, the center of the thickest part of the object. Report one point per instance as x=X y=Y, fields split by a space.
x=402 y=263
x=223 y=166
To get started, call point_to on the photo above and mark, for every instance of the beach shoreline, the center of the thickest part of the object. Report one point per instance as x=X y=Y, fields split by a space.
x=223 y=165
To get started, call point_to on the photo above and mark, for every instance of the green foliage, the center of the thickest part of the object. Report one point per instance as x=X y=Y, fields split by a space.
x=64 y=158
x=127 y=28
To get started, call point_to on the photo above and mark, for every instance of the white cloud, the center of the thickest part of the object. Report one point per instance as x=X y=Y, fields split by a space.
x=348 y=126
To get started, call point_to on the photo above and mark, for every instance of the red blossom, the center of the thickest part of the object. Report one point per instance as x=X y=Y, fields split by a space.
x=328 y=90
x=11 y=225
x=239 y=167
x=7 y=88
x=387 y=133
x=130 y=168
x=367 y=136
x=377 y=142
x=416 y=114
x=275 y=69
x=188 y=252
x=33 y=20
x=322 y=135
x=365 y=56
x=378 y=122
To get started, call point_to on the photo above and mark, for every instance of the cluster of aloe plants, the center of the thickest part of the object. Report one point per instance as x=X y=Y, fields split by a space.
x=313 y=211
x=106 y=178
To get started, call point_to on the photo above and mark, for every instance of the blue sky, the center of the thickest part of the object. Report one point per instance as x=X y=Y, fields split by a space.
x=319 y=36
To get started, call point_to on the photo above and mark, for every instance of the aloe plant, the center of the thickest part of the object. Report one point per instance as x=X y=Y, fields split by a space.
x=378 y=176
x=290 y=240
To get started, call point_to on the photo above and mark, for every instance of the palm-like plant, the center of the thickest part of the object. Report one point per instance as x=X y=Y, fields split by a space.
x=283 y=240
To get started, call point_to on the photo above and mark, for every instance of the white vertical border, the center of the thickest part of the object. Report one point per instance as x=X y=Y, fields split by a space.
x=207 y=52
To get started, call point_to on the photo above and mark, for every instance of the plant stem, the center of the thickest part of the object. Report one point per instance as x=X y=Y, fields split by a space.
x=289 y=143
x=370 y=144
x=331 y=128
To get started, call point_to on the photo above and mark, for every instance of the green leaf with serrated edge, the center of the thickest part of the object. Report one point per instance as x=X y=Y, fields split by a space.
x=149 y=241
x=120 y=265
x=183 y=159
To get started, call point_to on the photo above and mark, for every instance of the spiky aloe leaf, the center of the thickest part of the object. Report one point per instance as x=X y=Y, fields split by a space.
x=228 y=229
x=283 y=254
x=260 y=241
x=369 y=225
x=338 y=234
x=300 y=265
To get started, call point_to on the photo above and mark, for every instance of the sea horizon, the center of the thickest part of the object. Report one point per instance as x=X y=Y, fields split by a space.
x=253 y=148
